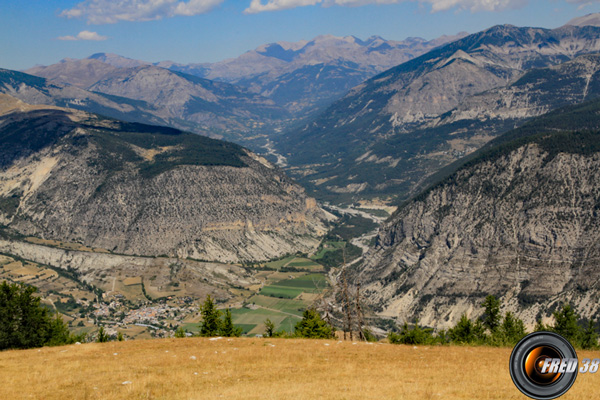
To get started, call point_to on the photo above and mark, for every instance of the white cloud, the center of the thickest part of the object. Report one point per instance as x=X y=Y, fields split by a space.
x=257 y=6
x=112 y=11
x=84 y=35
x=475 y=5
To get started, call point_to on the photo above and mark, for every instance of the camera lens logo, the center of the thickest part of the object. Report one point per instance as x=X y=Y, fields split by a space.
x=543 y=365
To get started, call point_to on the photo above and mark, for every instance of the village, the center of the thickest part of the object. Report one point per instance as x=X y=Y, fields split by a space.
x=157 y=319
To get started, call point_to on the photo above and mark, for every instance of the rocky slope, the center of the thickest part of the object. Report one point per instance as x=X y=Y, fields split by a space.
x=520 y=221
x=183 y=101
x=378 y=140
x=535 y=93
x=36 y=90
x=587 y=20
x=219 y=107
x=159 y=274
x=80 y=73
x=144 y=190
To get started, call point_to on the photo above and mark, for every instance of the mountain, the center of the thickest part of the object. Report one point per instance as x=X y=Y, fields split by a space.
x=35 y=90
x=117 y=61
x=80 y=73
x=182 y=101
x=518 y=220
x=196 y=103
x=137 y=189
x=298 y=76
x=387 y=134
x=307 y=74
x=586 y=20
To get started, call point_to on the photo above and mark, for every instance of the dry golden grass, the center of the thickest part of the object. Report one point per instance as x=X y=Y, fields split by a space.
x=264 y=369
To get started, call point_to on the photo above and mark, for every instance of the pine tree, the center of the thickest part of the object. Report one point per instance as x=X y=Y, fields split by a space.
x=466 y=331
x=539 y=326
x=103 y=337
x=25 y=323
x=512 y=329
x=589 y=337
x=227 y=328
x=211 y=318
x=566 y=323
x=313 y=326
x=58 y=333
x=491 y=316
x=180 y=333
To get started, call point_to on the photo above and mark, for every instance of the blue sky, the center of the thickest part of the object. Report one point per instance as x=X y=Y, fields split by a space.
x=44 y=32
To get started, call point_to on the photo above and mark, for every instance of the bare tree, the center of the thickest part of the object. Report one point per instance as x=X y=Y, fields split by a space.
x=359 y=315
x=347 y=306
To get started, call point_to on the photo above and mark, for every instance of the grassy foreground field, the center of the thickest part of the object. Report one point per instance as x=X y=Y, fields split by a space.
x=245 y=368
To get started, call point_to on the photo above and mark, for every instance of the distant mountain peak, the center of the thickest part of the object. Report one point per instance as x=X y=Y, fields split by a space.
x=116 y=60
x=587 y=20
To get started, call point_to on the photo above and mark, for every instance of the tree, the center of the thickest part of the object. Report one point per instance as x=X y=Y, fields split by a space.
x=25 y=323
x=103 y=337
x=414 y=335
x=539 y=326
x=58 y=333
x=589 y=337
x=120 y=337
x=269 y=328
x=491 y=316
x=313 y=326
x=566 y=323
x=211 y=318
x=180 y=333
x=466 y=331
x=512 y=329
x=227 y=328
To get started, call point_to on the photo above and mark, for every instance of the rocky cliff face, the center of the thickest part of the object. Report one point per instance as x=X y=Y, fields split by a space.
x=137 y=189
x=535 y=93
x=520 y=222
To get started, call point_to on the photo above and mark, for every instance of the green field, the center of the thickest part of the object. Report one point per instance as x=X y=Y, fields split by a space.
x=305 y=263
x=277 y=264
x=193 y=327
x=292 y=288
x=289 y=306
x=299 y=263
x=280 y=292
x=252 y=321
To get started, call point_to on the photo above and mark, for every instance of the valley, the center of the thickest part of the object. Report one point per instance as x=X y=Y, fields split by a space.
x=426 y=173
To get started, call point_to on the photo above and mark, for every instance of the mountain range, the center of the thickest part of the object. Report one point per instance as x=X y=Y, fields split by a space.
x=182 y=101
x=388 y=134
x=298 y=76
x=487 y=143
